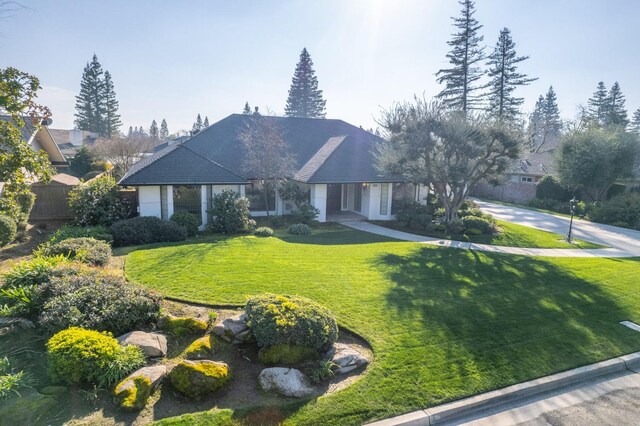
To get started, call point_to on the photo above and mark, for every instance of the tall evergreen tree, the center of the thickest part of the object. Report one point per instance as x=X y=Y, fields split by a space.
x=597 y=105
x=206 y=122
x=545 y=123
x=616 y=113
x=197 y=126
x=462 y=88
x=305 y=99
x=130 y=133
x=247 y=109
x=164 y=130
x=112 y=118
x=91 y=103
x=505 y=78
x=153 y=130
x=635 y=122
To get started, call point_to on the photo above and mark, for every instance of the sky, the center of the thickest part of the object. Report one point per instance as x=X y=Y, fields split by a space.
x=175 y=59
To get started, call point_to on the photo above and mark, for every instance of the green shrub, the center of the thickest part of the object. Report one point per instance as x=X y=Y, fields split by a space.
x=35 y=271
x=17 y=202
x=549 y=188
x=77 y=355
x=485 y=226
x=455 y=227
x=18 y=301
x=292 y=320
x=305 y=213
x=98 y=301
x=321 y=370
x=97 y=203
x=473 y=231
x=188 y=220
x=8 y=230
x=146 y=230
x=278 y=221
x=264 y=231
x=414 y=215
x=11 y=381
x=472 y=213
x=548 y=204
x=180 y=326
x=621 y=210
x=86 y=250
x=299 y=229
x=229 y=213
x=101 y=233
x=286 y=354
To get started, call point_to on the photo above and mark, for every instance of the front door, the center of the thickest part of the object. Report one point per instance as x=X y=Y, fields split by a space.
x=334 y=197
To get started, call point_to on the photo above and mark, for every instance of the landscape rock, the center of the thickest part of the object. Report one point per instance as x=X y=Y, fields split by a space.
x=180 y=326
x=152 y=344
x=285 y=381
x=346 y=358
x=203 y=348
x=198 y=378
x=133 y=392
x=234 y=329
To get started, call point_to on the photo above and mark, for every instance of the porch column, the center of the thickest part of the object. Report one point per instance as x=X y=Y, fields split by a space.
x=203 y=207
x=169 y=201
x=319 y=200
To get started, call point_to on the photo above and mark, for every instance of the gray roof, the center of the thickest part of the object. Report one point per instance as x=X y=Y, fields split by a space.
x=325 y=151
x=27 y=130
x=535 y=163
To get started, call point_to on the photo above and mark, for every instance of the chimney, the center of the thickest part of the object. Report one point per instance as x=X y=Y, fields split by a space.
x=75 y=137
x=256 y=112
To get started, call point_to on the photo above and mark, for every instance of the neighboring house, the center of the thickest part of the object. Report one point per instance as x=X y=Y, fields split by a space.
x=70 y=141
x=334 y=162
x=41 y=139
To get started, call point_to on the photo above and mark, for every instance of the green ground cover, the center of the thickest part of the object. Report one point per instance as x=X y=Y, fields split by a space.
x=444 y=324
x=510 y=235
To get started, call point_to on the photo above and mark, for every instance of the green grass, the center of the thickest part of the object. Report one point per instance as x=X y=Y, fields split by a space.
x=511 y=235
x=443 y=323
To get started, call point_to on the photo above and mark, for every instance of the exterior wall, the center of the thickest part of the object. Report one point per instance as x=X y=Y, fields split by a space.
x=512 y=190
x=374 y=191
x=149 y=201
x=319 y=200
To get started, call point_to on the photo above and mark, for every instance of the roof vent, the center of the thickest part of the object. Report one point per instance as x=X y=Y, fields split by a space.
x=195 y=132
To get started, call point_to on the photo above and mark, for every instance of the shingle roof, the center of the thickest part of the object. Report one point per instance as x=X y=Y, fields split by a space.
x=535 y=163
x=325 y=151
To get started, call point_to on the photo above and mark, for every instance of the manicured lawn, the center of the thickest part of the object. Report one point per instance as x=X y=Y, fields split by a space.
x=511 y=235
x=443 y=323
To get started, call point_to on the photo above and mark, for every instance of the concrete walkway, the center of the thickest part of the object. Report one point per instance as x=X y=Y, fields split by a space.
x=622 y=242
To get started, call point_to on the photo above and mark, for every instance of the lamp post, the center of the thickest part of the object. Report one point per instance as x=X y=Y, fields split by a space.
x=572 y=205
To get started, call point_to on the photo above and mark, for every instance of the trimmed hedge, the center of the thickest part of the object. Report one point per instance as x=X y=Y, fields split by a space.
x=77 y=355
x=263 y=231
x=485 y=226
x=550 y=188
x=291 y=320
x=188 y=220
x=86 y=250
x=8 y=230
x=622 y=210
x=299 y=229
x=146 y=230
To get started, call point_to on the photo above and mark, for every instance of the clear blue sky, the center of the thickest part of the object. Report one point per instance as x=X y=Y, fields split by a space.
x=174 y=59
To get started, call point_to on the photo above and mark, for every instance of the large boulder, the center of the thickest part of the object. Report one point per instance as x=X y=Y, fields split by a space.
x=152 y=344
x=234 y=329
x=285 y=381
x=182 y=326
x=132 y=393
x=198 y=378
x=346 y=358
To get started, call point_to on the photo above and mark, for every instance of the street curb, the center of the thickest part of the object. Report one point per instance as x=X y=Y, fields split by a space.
x=464 y=407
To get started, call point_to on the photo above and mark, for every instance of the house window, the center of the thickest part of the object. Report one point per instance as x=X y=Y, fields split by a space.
x=345 y=197
x=357 y=204
x=256 y=197
x=384 y=199
x=187 y=198
x=526 y=179
x=164 y=205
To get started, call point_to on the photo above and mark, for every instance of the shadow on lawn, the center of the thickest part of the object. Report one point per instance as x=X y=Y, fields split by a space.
x=499 y=320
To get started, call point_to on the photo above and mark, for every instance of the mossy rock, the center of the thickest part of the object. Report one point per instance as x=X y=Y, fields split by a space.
x=33 y=409
x=203 y=348
x=181 y=326
x=132 y=395
x=288 y=355
x=198 y=378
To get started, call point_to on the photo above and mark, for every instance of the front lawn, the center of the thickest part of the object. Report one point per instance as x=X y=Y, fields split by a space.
x=444 y=324
x=510 y=235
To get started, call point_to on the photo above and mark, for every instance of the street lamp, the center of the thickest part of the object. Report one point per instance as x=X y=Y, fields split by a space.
x=572 y=205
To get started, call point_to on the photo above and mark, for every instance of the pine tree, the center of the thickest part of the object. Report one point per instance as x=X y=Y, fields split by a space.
x=153 y=130
x=616 y=113
x=597 y=105
x=545 y=123
x=197 y=126
x=461 y=92
x=90 y=103
x=247 y=109
x=635 y=122
x=206 y=122
x=112 y=118
x=505 y=78
x=130 y=133
x=164 y=130
x=305 y=99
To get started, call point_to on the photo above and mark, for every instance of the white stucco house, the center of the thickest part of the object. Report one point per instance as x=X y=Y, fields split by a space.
x=334 y=162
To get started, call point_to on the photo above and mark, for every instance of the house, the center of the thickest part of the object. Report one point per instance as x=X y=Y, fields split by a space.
x=70 y=141
x=40 y=139
x=334 y=163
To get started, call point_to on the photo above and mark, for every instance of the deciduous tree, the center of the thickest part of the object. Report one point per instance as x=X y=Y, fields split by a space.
x=122 y=152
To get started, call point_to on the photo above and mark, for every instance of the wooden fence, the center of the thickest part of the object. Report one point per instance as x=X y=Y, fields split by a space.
x=52 y=203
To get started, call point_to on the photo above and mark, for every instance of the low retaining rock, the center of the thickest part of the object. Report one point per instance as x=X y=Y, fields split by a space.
x=132 y=393
x=346 y=358
x=285 y=381
x=234 y=329
x=152 y=344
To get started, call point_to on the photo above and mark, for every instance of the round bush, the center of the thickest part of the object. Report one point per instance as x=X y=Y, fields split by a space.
x=8 y=229
x=299 y=229
x=188 y=220
x=291 y=320
x=483 y=225
x=97 y=202
x=264 y=231
x=86 y=250
x=77 y=355
x=146 y=230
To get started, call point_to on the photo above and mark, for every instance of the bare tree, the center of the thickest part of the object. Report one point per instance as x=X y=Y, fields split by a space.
x=267 y=155
x=122 y=151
